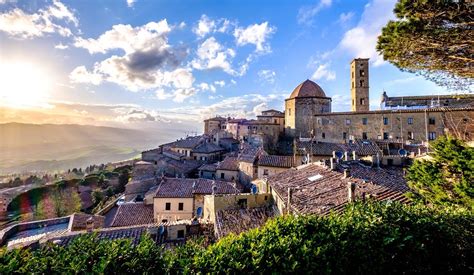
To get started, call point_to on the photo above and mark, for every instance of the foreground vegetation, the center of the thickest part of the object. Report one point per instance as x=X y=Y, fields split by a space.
x=370 y=238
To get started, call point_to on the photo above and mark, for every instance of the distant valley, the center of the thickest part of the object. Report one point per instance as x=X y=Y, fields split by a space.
x=52 y=147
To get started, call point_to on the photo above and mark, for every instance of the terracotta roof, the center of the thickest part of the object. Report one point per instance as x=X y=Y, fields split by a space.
x=133 y=214
x=183 y=188
x=276 y=161
x=250 y=153
x=272 y=111
x=78 y=221
x=189 y=142
x=237 y=120
x=229 y=164
x=217 y=118
x=208 y=167
x=240 y=220
x=136 y=187
x=172 y=154
x=432 y=97
x=207 y=147
x=317 y=189
x=307 y=88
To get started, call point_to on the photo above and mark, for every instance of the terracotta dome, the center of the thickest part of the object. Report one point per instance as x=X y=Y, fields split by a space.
x=307 y=89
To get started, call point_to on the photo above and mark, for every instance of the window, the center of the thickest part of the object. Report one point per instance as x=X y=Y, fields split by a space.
x=385 y=135
x=364 y=135
x=410 y=135
x=222 y=175
x=410 y=120
x=242 y=203
x=344 y=135
x=352 y=84
x=276 y=121
x=266 y=197
x=432 y=135
x=431 y=121
x=348 y=121
x=364 y=120
x=181 y=206
x=362 y=101
x=289 y=111
x=168 y=206
x=180 y=234
x=323 y=135
x=361 y=82
x=385 y=121
x=265 y=172
x=361 y=72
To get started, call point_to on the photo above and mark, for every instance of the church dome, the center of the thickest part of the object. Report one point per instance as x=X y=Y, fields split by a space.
x=307 y=89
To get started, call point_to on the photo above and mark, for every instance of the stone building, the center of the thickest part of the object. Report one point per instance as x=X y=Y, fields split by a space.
x=426 y=101
x=214 y=124
x=306 y=100
x=360 y=84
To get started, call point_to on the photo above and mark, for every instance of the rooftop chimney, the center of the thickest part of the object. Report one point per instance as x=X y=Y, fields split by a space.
x=346 y=156
x=347 y=173
x=333 y=166
x=354 y=155
x=89 y=224
x=351 y=187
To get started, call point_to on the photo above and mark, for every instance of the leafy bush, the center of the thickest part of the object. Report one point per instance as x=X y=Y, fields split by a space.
x=370 y=238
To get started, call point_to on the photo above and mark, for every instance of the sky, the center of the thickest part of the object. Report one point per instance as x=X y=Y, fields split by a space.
x=137 y=63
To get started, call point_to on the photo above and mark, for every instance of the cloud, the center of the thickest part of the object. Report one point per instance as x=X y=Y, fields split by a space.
x=323 y=71
x=17 y=23
x=220 y=83
x=148 y=62
x=212 y=55
x=61 y=46
x=81 y=75
x=361 y=40
x=207 y=87
x=206 y=26
x=345 y=17
x=256 y=34
x=267 y=75
x=307 y=13
x=130 y=3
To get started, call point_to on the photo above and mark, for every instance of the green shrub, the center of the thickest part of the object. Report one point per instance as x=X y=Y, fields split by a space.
x=370 y=238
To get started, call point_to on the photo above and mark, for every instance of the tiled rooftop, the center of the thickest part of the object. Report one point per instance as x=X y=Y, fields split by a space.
x=187 y=143
x=208 y=167
x=207 y=147
x=276 y=161
x=249 y=153
x=229 y=164
x=183 y=188
x=239 y=220
x=317 y=189
x=78 y=221
x=133 y=214
x=136 y=187
x=362 y=147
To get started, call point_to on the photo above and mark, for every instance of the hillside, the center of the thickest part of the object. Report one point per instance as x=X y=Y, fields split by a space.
x=30 y=147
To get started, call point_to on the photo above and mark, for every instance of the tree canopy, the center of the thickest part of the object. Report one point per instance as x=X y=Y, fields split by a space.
x=433 y=38
x=447 y=178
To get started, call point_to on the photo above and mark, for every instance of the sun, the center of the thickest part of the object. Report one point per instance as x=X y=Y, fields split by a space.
x=23 y=84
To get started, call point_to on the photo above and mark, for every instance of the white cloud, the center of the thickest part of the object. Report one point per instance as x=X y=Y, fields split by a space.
x=148 y=62
x=345 y=17
x=307 y=13
x=61 y=46
x=81 y=75
x=323 y=71
x=205 y=25
x=220 y=83
x=255 y=34
x=130 y=3
x=361 y=40
x=19 y=24
x=207 y=87
x=212 y=55
x=267 y=75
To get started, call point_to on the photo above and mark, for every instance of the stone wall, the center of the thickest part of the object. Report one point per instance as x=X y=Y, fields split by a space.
x=213 y=203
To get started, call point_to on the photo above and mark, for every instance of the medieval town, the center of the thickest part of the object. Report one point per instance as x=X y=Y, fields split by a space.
x=240 y=172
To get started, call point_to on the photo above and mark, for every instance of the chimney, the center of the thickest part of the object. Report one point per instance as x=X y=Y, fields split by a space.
x=289 y=200
x=347 y=173
x=333 y=166
x=89 y=224
x=346 y=156
x=351 y=187
x=354 y=155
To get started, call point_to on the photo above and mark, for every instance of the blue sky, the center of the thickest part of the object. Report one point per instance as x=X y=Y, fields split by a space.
x=150 y=63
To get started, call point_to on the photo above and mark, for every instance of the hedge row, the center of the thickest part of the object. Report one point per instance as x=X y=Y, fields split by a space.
x=370 y=238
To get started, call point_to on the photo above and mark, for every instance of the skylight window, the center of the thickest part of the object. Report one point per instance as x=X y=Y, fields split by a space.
x=315 y=177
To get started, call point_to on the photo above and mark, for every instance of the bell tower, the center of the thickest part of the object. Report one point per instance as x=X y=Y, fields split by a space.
x=360 y=84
